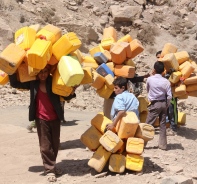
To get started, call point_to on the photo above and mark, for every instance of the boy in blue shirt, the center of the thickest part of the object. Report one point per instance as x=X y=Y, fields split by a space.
x=123 y=102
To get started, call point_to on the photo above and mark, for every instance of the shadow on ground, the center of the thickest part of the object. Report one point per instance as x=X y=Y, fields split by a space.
x=70 y=123
x=72 y=144
x=74 y=167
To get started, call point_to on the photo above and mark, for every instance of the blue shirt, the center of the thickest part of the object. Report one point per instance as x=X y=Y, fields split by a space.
x=124 y=102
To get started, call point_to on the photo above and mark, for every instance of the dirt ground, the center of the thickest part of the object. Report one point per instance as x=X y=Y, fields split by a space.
x=21 y=162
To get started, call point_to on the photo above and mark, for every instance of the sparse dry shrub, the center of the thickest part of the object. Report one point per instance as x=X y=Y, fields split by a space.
x=147 y=34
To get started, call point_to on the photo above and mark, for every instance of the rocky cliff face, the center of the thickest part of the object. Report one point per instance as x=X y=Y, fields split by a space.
x=153 y=22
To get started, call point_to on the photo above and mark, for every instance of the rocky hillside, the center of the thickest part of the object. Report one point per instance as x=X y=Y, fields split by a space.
x=153 y=22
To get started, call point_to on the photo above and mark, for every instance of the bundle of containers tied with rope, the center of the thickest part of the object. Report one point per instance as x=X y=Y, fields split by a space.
x=183 y=79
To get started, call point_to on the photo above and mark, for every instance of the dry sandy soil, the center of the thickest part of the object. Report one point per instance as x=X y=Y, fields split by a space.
x=21 y=162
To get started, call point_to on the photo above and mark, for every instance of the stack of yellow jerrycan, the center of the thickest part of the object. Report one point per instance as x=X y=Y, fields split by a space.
x=111 y=56
x=34 y=47
x=10 y=62
x=123 y=147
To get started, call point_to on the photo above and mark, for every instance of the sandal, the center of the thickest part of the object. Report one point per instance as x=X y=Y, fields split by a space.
x=58 y=171
x=51 y=177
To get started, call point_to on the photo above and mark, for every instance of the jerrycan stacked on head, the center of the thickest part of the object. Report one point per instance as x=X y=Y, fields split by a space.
x=39 y=54
x=117 y=163
x=96 y=49
x=124 y=71
x=175 y=77
x=109 y=81
x=105 y=92
x=70 y=70
x=104 y=70
x=49 y=33
x=4 y=78
x=187 y=70
x=66 y=44
x=191 y=80
x=127 y=38
x=25 y=37
x=182 y=56
x=89 y=61
x=118 y=53
x=136 y=47
x=78 y=54
x=33 y=71
x=168 y=48
x=109 y=37
x=88 y=75
x=110 y=65
x=99 y=159
x=127 y=126
x=36 y=27
x=170 y=62
x=130 y=62
x=100 y=58
x=58 y=86
x=180 y=90
x=127 y=49
x=23 y=73
x=53 y=60
x=10 y=62
x=98 y=80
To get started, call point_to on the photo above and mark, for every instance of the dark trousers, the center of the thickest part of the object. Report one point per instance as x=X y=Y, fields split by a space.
x=49 y=140
x=158 y=109
x=62 y=105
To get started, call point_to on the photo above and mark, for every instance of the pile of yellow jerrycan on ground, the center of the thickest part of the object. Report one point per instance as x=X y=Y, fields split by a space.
x=119 y=149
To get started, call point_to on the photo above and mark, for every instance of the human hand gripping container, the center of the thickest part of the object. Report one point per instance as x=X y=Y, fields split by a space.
x=127 y=125
x=110 y=141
